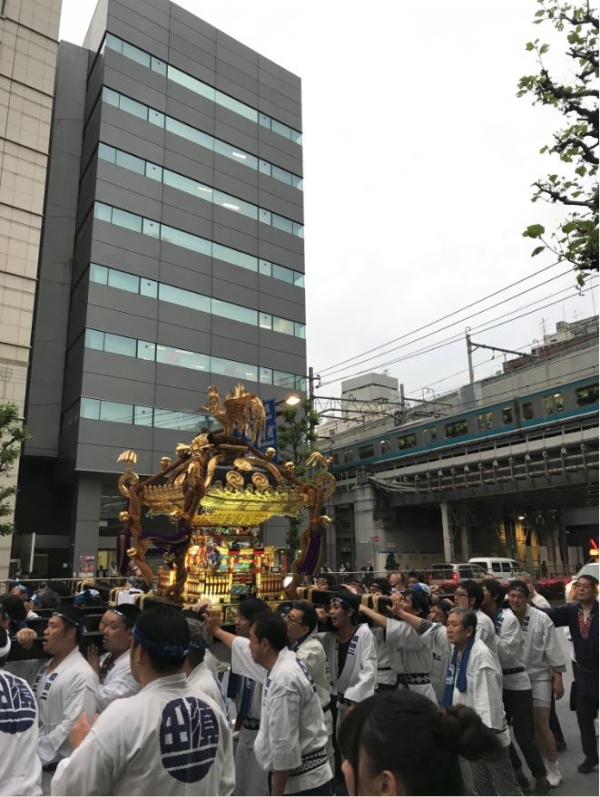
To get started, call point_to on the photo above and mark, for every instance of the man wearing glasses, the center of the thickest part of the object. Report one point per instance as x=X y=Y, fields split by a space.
x=469 y=595
x=581 y=618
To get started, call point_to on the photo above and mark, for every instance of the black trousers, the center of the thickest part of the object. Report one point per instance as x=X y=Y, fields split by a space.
x=587 y=711
x=519 y=711
x=324 y=789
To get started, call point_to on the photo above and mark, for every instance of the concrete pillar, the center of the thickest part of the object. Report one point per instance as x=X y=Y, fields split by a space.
x=364 y=524
x=447 y=532
x=86 y=518
x=465 y=535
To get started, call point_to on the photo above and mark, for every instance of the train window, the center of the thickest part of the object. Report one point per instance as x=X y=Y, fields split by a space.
x=586 y=395
x=386 y=446
x=553 y=403
x=484 y=421
x=507 y=415
x=364 y=452
x=407 y=441
x=528 y=412
x=430 y=435
x=456 y=429
x=336 y=459
x=348 y=455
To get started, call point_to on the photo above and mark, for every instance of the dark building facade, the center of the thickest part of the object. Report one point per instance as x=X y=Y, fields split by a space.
x=172 y=259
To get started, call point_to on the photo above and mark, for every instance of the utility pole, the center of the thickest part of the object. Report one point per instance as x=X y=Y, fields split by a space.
x=471 y=346
x=311 y=407
x=470 y=356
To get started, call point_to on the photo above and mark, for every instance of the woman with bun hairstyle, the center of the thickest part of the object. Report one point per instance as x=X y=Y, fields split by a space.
x=402 y=743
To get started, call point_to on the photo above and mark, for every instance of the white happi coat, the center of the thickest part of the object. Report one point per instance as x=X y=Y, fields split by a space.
x=486 y=631
x=542 y=651
x=484 y=690
x=20 y=767
x=436 y=637
x=410 y=656
x=510 y=650
x=203 y=681
x=292 y=723
x=62 y=696
x=385 y=674
x=357 y=680
x=164 y=740
x=118 y=681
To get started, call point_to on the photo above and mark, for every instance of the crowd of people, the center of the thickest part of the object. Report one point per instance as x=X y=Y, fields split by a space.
x=322 y=697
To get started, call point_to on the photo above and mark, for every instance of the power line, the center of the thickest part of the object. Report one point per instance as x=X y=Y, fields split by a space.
x=443 y=318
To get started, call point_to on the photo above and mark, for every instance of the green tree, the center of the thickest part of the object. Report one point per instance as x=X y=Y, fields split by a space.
x=575 y=144
x=12 y=436
x=390 y=562
x=296 y=436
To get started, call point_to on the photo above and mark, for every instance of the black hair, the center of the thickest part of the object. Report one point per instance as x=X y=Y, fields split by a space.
x=272 y=627
x=72 y=618
x=3 y=643
x=474 y=590
x=352 y=601
x=250 y=608
x=49 y=599
x=309 y=614
x=329 y=578
x=130 y=612
x=13 y=608
x=198 y=639
x=519 y=585
x=468 y=618
x=428 y=732
x=417 y=575
x=495 y=589
x=164 y=634
x=592 y=579
x=383 y=584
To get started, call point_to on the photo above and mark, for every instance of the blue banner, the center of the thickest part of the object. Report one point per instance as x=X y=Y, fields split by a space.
x=270 y=435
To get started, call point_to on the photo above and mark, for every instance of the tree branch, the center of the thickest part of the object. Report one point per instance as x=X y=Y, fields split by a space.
x=556 y=196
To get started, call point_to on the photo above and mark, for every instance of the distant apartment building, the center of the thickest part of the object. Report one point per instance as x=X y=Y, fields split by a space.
x=173 y=259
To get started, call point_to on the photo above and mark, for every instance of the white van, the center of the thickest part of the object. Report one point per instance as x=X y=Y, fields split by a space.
x=498 y=567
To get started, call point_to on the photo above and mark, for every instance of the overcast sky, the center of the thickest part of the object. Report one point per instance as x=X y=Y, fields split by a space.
x=418 y=161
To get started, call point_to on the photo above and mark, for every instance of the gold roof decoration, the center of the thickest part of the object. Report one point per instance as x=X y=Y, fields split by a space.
x=222 y=479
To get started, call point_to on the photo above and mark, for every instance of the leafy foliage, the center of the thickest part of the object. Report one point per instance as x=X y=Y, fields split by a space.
x=295 y=437
x=391 y=562
x=576 y=240
x=12 y=435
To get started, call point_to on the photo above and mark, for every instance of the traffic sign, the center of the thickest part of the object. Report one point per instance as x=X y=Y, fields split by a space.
x=375 y=539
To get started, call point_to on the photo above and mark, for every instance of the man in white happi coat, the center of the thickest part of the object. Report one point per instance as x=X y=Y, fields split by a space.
x=411 y=657
x=469 y=595
x=20 y=767
x=163 y=741
x=200 y=678
x=64 y=687
x=114 y=667
x=545 y=663
x=474 y=679
x=291 y=742
x=302 y=622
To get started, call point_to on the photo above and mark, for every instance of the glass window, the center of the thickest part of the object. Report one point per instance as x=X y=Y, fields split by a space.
x=119 y=344
x=133 y=107
x=553 y=403
x=130 y=221
x=129 y=51
x=527 y=410
x=158 y=66
x=111 y=97
x=185 y=239
x=281 y=174
x=456 y=429
x=245 y=315
x=507 y=415
x=146 y=350
x=156 y=118
x=90 y=409
x=364 y=452
x=298 y=230
x=151 y=228
x=264 y=167
x=98 y=274
x=283 y=379
x=296 y=137
x=297 y=182
x=386 y=446
x=180 y=182
x=154 y=172
x=234 y=369
x=195 y=301
x=348 y=455
x=265 y=268
x=116 y=412
x=301 y=383
x=107 y=153
x=281 y=223
x=102 y=212
x=265 y=320
x=234 y=153
x=280 y=128
x=142 y=416
x=130 y=162
x=584 y=396
x=266 y=376
x=94 y=339
x=283 y=325
x=430 y=435
x=484 y=421
x=298 y=279
x=189 y=133
x=235 y=204
x=234 y=256
x=264 y=120
x=191 y=83
x=284 y=274
x=299 y=330
x=123 y=281
x=149 y=288
x=407 y=441
x=113 y=43
x=236 y=106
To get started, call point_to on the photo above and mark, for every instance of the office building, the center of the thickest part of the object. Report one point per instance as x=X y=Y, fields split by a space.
x=172 y=259
x=28 y=45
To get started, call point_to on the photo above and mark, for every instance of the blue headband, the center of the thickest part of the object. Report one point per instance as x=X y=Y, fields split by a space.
x=20 y=623
x=175 y=652
x=126 y=620
x=76 y=624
